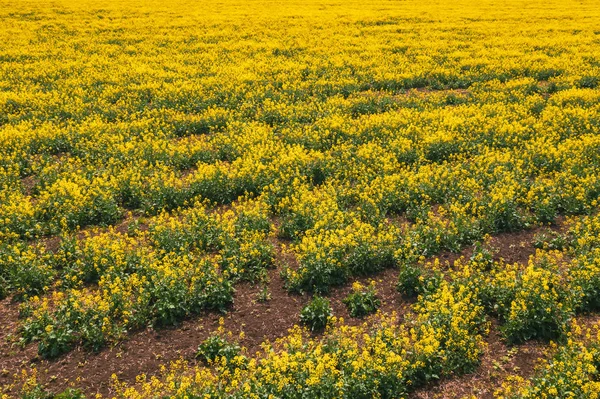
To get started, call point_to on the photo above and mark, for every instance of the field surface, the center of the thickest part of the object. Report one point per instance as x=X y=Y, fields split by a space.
x=299 y=199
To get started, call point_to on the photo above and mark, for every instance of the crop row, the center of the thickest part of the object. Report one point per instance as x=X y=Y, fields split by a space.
x=111 y=283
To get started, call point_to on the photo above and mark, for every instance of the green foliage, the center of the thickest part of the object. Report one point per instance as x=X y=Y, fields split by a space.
x=216 y=347
x=315 y=315
x=418 y=279
x=362 y=300
x=221 y=349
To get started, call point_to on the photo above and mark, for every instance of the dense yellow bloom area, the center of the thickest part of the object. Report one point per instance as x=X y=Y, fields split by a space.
x=154 y=153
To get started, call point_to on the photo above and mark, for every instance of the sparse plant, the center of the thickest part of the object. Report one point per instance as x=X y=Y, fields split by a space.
x=220 y=347
x=362 y=300
x=315 y=315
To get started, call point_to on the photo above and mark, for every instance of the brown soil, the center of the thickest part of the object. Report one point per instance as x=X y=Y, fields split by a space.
x=144 y=351
x=28 y=183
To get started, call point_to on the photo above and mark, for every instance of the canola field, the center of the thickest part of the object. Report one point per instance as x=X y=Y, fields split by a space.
x=156 y=156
